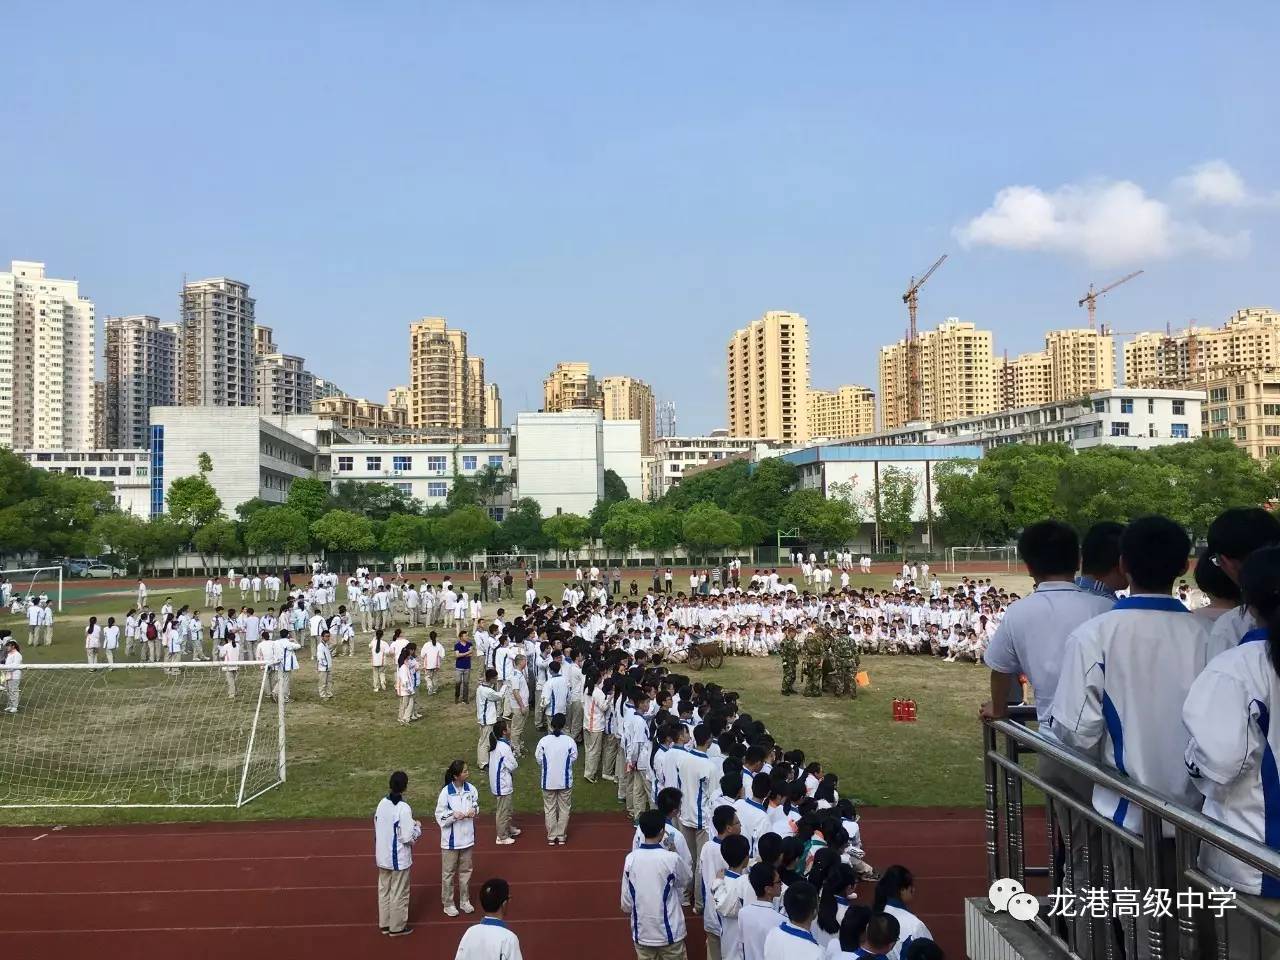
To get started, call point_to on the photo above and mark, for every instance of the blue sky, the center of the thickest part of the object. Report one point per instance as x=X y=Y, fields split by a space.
x=628 y=183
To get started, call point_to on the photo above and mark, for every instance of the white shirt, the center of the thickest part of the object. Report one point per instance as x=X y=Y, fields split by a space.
x=1033 y=635
x=457 y=832
x=12 y=661
x=1228 y=629
x=756 y=920
x=787 y=942
x=910 y=927
x=555 y=755
x=652 y=878
x=710 y=866
x=110 y=637
x=394 y=833
x=1125 y=676
x=490 y=939
x=696 y=778
x=730 y=894
x=502 y=764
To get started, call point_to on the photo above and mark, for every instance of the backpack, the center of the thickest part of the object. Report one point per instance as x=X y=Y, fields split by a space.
x=151 y=631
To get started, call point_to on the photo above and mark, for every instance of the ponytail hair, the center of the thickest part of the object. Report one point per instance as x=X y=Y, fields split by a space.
x=1260 y=590
x=896 y=879
x=377 y=641
x=409 y=650
x=454 y=771
x=839 y=879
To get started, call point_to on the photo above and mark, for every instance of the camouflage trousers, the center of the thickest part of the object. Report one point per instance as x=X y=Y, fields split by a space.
x=813 y=679
x=788 y=676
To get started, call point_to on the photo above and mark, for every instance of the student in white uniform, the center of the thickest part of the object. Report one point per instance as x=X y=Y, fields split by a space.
x=324 y=667
x=757 y=918
x=793 y=940
x=491 y=938
x=456 y=810
x=894 y=894
x=1220 y=593
x=1233 y=536
x=1125 y=676
x=92 y=640
x=696 y=778
x=395 y=833
x=228 y=651
x=729 y=891
x=649 y=876
x=12 y=674
x=556 y=753
x=378 y=660
x=1233 y=746
x=502 y=768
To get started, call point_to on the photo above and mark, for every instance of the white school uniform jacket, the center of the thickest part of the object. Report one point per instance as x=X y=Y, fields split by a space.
x=652 y=878
x=753 y=816
x=555 y=754
x=488 y=704
x=490 y=939
x=324 y=658
x=787 y=942
x=756 y=919
x=710 y=866
x=456 y=833
x=730 y=894
x=394 y=833
x=696 y=778
x=502 y=764
x=1229 y=629
x=555 y=694
x=910 y=927
x=1125 y=676
x=1232 y=756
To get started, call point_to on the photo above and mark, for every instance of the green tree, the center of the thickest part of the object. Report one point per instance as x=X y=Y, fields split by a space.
x=664 y=531
x=627 y=526
x=522 y=527
x=765 y=491
x=278 y=530
x=344 y=533
x=406 y=533
x=247 y=509
x=1214 y=475
x=465 y=532
x=1026 y=479
x=615 y=488
x=309 y=496
x=193 y=502
x=204 y=463
x=754 y=530
x=463 y=492
x=377 y=501
x=897 y=505
x=827 y=523
x=707 y=527
x=491 y=483
x=218 y=538
x=969 y=509
x=164 y=538
x=567 y=532
x=123 y=536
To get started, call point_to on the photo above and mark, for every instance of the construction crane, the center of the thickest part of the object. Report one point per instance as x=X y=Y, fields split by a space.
x=912 y=299
x=1091 y=298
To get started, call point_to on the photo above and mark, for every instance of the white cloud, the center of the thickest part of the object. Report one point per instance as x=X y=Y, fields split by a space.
x=1216 y=183
x=1105 y=222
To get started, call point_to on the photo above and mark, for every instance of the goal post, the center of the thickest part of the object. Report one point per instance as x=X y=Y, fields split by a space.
x=962 y=555
x=139 y=735
x=28 y=581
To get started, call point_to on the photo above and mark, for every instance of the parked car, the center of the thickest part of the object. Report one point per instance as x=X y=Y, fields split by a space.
x=99 y=570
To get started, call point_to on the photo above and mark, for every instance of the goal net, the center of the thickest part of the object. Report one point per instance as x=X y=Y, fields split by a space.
x=960 y=556
x=24 y=582
x=139 y=735
x=517 y=563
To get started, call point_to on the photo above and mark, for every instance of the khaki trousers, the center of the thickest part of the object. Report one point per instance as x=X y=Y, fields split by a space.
x=502 y=816
x=620 y=770
x=11 y=689
x=393 y=899
x=406 y=709
x=637 y=793
x=591 y=770
x=556 y=805
x=713 y=946
x=231 y=683
x=517 y=731
x=674 y=951
x=573 y=722
x=696 y=839
x=482 y=745
x=455 y=864
x=608 y=768
x=326 y=684
x=379 y=678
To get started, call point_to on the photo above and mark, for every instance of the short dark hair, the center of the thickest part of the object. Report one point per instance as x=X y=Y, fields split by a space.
x=399 y=782
x=761 y=785
x=735 y=849
x=800 y=901
x=1155 y=551
x=1049 y=548
x=761 y=876
x=722 y=817
x=1100 y=548
x=493 y=894
x=923 y=948
x=558 y=721
x=731 y=784
x=769 y=847
x=1213 y=581
x=668 y=800
x=1237 y=532
x=883 y=930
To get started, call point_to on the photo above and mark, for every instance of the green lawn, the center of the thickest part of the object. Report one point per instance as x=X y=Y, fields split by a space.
x=340 y=752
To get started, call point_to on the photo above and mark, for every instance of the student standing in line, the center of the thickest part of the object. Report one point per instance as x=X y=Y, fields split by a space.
x=517 y=704
x=92 y=640
x=489 y=699
x=596 y=706
x=432 y=659
x=555 y=754
x=13 y=674
x=456 y=810
x=757 y=918
x=502 y=768
x=695 y=773
x=324 y=666
x=490 y=939
x=228 y=651
x=727 y=890
x=462 y=668
x=46 y=623
x=395 y=833
x=793 y=939
x=405 y=682
x=378 y=658
x=1233 y=536
x=648 y=876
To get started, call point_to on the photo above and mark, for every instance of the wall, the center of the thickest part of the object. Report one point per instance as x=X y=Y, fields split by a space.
x=561 y=460
x=623 y=443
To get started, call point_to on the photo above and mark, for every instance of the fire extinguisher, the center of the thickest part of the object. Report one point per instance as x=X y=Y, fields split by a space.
x=909 y=711
x=898 y=709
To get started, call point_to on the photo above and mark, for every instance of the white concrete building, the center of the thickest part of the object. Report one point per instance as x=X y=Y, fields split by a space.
x=125 y=471
x=674 y=456
x=46 y=361
x=425 y=471
x=252 y=457
x=1131 y=418
x=561 y=460
x=623 y=444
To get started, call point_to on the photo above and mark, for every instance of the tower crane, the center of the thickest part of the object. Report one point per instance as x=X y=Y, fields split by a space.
x=912 y=299
x=1091 y=298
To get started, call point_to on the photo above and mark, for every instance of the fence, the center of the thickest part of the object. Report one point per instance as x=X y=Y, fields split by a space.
x=1088 y=850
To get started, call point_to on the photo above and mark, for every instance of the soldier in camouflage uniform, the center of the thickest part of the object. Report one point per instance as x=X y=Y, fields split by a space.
x=811 y=665
x=790 y=651
x=845 y=655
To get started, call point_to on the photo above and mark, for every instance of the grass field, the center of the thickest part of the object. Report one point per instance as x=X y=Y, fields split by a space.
x=341 y=751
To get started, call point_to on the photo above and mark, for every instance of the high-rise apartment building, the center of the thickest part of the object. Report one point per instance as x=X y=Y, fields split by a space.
x=327 y=388
x=1250 y=339
x=446 y=387
x=492 y=407
x=99 y=414
x=570 y=386
x=1024 y=381
x=626 y=398
x=46 y=361
x=846 y=411
x=399 y=397
x=1082 y=362
x=957 y=375
x=141 y=366
x=264 y=341
x=768 y=388
x=216 y=346
x=356 y=413
x=284 y=385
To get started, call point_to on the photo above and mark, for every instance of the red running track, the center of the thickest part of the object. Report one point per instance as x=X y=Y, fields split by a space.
x=305 y=889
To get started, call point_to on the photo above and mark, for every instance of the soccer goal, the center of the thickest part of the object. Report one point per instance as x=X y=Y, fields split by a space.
x=962 y=555
x=139 y=735
x=515 y=562
x=25 y=581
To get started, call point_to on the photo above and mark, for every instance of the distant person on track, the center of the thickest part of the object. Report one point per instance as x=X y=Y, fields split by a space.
x=395 y=832
x=490 y=939
x=456 y=810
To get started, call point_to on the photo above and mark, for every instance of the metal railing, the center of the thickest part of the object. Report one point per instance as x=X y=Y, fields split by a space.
x=1087 y=850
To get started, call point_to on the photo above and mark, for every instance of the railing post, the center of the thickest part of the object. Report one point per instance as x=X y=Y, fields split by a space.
x=1184 y=848
x=1152 y=841
x=1013 y=816
x=991 y=772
